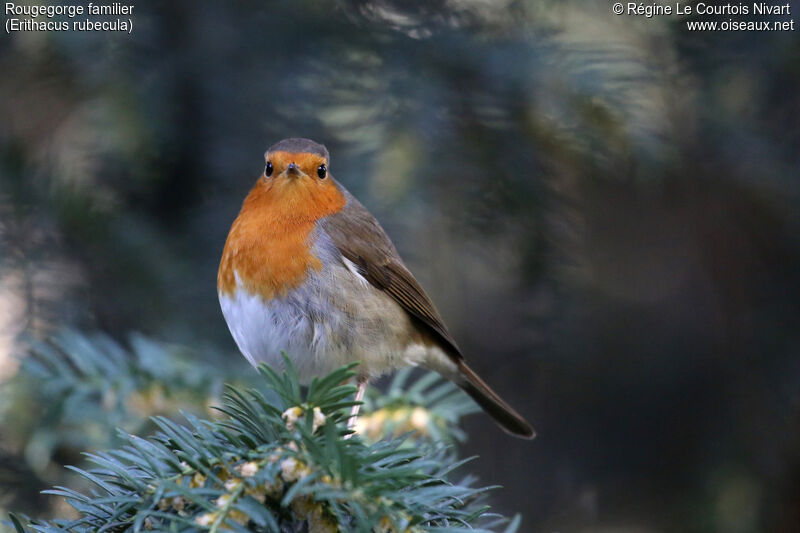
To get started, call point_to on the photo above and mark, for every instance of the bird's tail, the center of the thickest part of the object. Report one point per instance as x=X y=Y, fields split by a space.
x=502 y=413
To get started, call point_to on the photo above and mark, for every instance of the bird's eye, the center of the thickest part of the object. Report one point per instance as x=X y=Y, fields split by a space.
x=268 y=169
x=322 y=171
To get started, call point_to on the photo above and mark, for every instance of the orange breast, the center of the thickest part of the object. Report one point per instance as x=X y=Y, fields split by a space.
x=269 y=245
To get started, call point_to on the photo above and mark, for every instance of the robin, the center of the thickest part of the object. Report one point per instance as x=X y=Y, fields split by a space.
x=306 y=269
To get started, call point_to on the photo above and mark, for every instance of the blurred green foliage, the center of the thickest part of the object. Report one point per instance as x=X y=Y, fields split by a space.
x=74 y=392
x=275 y=462
x=81 y=388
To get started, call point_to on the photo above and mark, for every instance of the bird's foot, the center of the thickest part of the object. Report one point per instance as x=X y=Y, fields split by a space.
x=351 y=421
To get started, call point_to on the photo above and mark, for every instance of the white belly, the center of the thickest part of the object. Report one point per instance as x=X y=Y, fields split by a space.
x=334 y=318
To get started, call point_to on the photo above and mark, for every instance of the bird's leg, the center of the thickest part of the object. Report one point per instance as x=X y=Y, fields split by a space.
x=362 y=387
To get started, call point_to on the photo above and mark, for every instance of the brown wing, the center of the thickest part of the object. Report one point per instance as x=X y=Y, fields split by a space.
x=361 y=239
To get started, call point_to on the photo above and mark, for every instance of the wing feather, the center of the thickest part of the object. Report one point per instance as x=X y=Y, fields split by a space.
x=361 y=239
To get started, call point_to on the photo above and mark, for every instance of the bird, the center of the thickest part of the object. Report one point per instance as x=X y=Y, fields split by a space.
x=308 y=271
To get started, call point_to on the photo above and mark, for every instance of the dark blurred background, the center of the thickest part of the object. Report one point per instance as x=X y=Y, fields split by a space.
x=604 y=209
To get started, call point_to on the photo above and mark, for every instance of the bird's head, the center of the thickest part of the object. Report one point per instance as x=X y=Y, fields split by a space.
x=296 y=182
x=297 y=161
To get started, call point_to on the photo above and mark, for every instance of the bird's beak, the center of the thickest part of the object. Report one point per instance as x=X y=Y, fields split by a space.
x=293 y=170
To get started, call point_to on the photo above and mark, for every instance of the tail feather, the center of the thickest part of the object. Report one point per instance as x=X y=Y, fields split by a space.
x=502 y=413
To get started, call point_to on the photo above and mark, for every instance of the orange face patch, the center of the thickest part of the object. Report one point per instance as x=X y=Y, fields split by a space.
x=307 y=162
x=268 y=245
